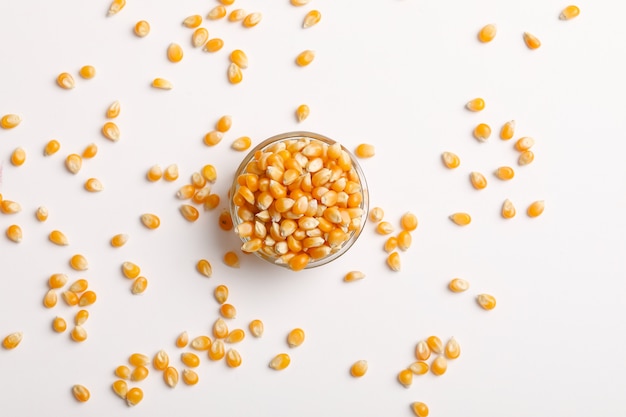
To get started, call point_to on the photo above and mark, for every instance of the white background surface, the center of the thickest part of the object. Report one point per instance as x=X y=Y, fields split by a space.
x=392 y=73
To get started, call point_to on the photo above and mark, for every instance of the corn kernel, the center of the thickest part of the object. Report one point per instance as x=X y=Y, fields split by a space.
x=12 y=340
x=190 y=377
x=57 y=281
x=435 y=344
x=217 y=12
x=120 y=388
x=222 y=125
x=295 y=337
x=422 y=350
x=482 y=132
x=18 y=157
x=87 y=298
x=142 y=28
x=525 y=158
x=51 y=147
x=134 y=396
x=41 y=214
x=78 y=334
x=505 y=173
x=154 y=173
x=508 y=209
x=358 y=368
x=419 y=367
x=139 y=286
x=170 y=376
x=111 y=131
x=190 y=359
x=508 y=130
x=252 y=19
x=192 y=21
x=228 y=311
x=226 y=223
x=139 y=373
x=151 y=221
x=304 y=58
x=220 y=328
x=452 y=349
x=190 y=213
x=384 y=228
x=405 y=377
x=182 y=340
x=419 y=409
x=376 y=214
x=217 y=350
x=439 y=366
x=299 y=2
x=116 y=6
x=239 y=57
x=59 y=325
x=256 y=328
x=404 y=240
x=236 y=15
x=113 y=110
x=458 y=285
x=9 y=121
x=233 y=358
x=353 y=276
x=79 y=263
x=90 y=151
x=161 y=360
x=14 y=233
x=214 y=45
x=162 y=84
x=87 y=72
x=569 y=12
x=393 y=261
x=531 y=41
x=221 y=293
x=50 y=299
x=73 y=163
x=81 y=393
x=450 y=160
x=81 y=317
x=201 y=343
x=524 y=144
x=174 y=52
x=93 y=185
x=280 y=362
x=461 y=219
x=204 y=267
x=213 y=138
x=478 y=180
x=199 y=37
x=391 y=244
x=119 y=240
x=130 y=270
x=79 y=285
x=235 y=336
x=475 y=105
x=66 y=81
x=234 y=73
x=364 y=150
x=70 y=298
x=487 y=33
x=486 y=301
x=535 y=209
x=241 y=144
x=312 y=18
x=123 y=372
x=408 y=222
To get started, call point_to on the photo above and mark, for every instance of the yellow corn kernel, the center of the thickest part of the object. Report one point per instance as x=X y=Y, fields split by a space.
x=192 y=21
x=87 y=298
x=51 y=147
x=161 y=360
x=231 y=259
x=435 y=344
x=239 y=57
x=461 y=219
x=364 y=150
x=142 y=28
x=154 y=173
x=70 y=298
x=228 y=311
x=120 y=388
x=113 y=110
x=222 y=125
x=393 y=261
x=190 y=359
x=376 y=214
x=134 y=396
x=213 y=138
x=73 y=163
x=217 y=350
x=312 y=18
x=151 y=221
x=81 y=393
x=59 y=325
x=419 y=367
x=111 y=131
x=41 y=214
x=93 y=185
x=280 y=362
x=419 y=409
x=482 y=132
x=478 y=180
x=174 y=52
x=9 y=121
x=302 y=112
x=190 y=213
x=201 y=343
x=190 y=377
x=119 y=240
x=116 y=6
x=58 y=238
x=408 y=221
x=81 y=317
x=139 y=373
x=90 y=151
x=79 y=263
x=78 y=334
x=505 y=173
x=199 y=37
x=241 y=144
x=487 y=33
x=50 y=299
x=79 y=285
x=14 y=233
x=87 y=72
x=217 y=12
x=213 y=45
x=299 y=261
x=304 y=58
x=404 y=240
x=508 y=130
x=252 y=19
x=422 y=351
x=384 y=228
x=235 y=336
x=452 y=349
x=358 y=368
x=475 y=105
x=524 y=144
x=66 y=81
x=295 y=337
x=182 y=340
x=236 y=15
x=569 y=12
x=9 y=207
x=458 y=285
x=18 y=157
x=439 y=365
x=122 y=371
x=199 y=183
x=204 y=267
x=233 y=358
x=508 y=209
x=162 y=84
x=353 y=276
x=57 y=281
x=531 y=41
x=525 y=158
x=234 y=73
x=256 y=328
x=391 y=244
x=535 y=209
x=130 y=270
x=12 y=340
x=226 y=223
x=139 y=286
x=486 y=301
x=220 y=328
x=221 y=293
x=170 y=376
x=299 y=2
x=405 y=377
x=450 y=160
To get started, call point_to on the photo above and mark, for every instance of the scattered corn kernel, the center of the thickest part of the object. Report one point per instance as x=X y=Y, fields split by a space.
x=66 y=81
x=93 y=185
x=221 y=293
x=252 y=19
x=151 y=221
x=508 y=209
x=482 y=132
x=139 y=373
x=170 y=376
x=217 y=350
x=312 y=18
x=295 y=337
x=238 y=57
x=182 y=340
x=14 y=233
x=12 y=340
x=161 y=360
x=439 y=366
x=233 y=358
x=154 y=173
x=171 y=173
x=524 y=144
x=220 y=328
x=535 y=209
x=393 y=261
x=142 y=28
x=228 y=311
x=384 y=228
x=241 y=144
x=450 y=160
x=487 y=33
x=201 y=343
x=139 y=286
x=190 y=377
x=213 y=138
x=51 y=147
x=435 y=344
x=353 y=276
x=299 y=2
x=217 y=12
x=111 y=131
x=57 y=281
x=569 y=12
x=419 y=367
x=162 y=84
x=304 y=58
x=90 y=151
x=213 y=45
x=458 y=285
x=234 y=73
x=358 y=368
x=508 y=130
x=376 y=214
x=87 y=298
x=116 y=6
x=391 y=244
x=280 y=362
x=302 y=112
x=123 y=372
x=505 y=173
x=419 y=409
x=87 y=72
x=461 y=219
x=10 y=207
x=477 y=104
x=237 y=15
x=222 y=125
x=18 y=157
x=212 y=201
x=199 y=37
x=59 y=325
x=130 y=270
x=79 y=285
x=532 y=42
x=486 y=301
x=119 y=240
x=134 y=396
x=452 y=349
x=120 y=388
x=364 y=150
x=235 y=336
x=190 y=213
x=79 y=262
x=174 y=52
x=190 y=359
x=41 y=214
x=192 y=21
x=405 y=377
x=81 y=317
x=78 y=334
x=81 y=393
x=525 y=158
x=478 y=180
x=204 y=267
x=50 y=299
x=404 y=240
x=70 y=298
x=9 y=121
x=408 y=222
x=73 y=163
x=113 y=110
x=256 y=328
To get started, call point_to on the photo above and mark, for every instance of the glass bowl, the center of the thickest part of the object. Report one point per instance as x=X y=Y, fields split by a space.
x=299 y=200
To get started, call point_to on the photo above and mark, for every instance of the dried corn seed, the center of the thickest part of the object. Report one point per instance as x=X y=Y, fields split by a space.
x=408 y=222
x=9 y=207
x=535 y=209
x=228 y=311
x=235 y=336
x=119 y=240
x=90 y=151
x=213 y=45
x=192 y=21
x=154 y=173
x=524 y=144
x=358 y=368
x=182 y=340
x=142 y=28
x=199 y=37
x=50 y=299
x=41 y=214
x=393 y=261
x=404 y=240
x=231 y=259
x=79 y=285
x=486 y=301
x=87 y=298
x=234 y=73
x=304 y=58
x=81 y=393
x=78 y=334
x=51 y=147
x=70 y=298
x=161 y=360
x=569 y=12
x=217 y=12
x=18 y=157
x=450 y=160
x=221 y=293
x=237 y=15
x=81 y=317
x=531 y=41
x=241 y=144
x=487 y=33
x=130 y=270
x=295 y=337
x=419 y=367
x=435 y=344
x=439 y=365
x=391 y=244
x=199 y=183
x=220 y=328
x=280 y=362
x=87 y=72
x=364 y=150
x=139 y=286
x=170 y=376
x=422 y=350
x=190 y=377
x=475 y=105
x=299 y=2
x=478 y=180
x=312 y=18
x=353 y=276
x=190 y=359
x=59 y=325
x=66 y=81
x=190 y=213
x=213 y=138
x=405 y=377
x=58 y=238
x=204 y=267
x=111 y=131
x=57 y=281
x=174 y=52
x=226 y=223
x=508 y=130
x=113 y=110
x=252 y=19
x=201 y=343
x=376 y=214
x=384 y=228
x=14 y=233
x=482 y=132
x=458 y=285
x=134 y=396
x=461 y=219
x=222 y=125
x=302 y=112
x=525 y=158
x=116 y=6
x=120 y=388
x=151 y=221
x=505 y=173
x=256 y=328
x=93 y=185
x=233 y=358
x=79 y=263
x=73 y=163
x=138 y=359
x=238 y=57
x=12 y=340
x=508 y=209
x=162 y=84
x=452 y=349
x=122 y=371
x=9 y=121
x=419 y=409
x=217 y=350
